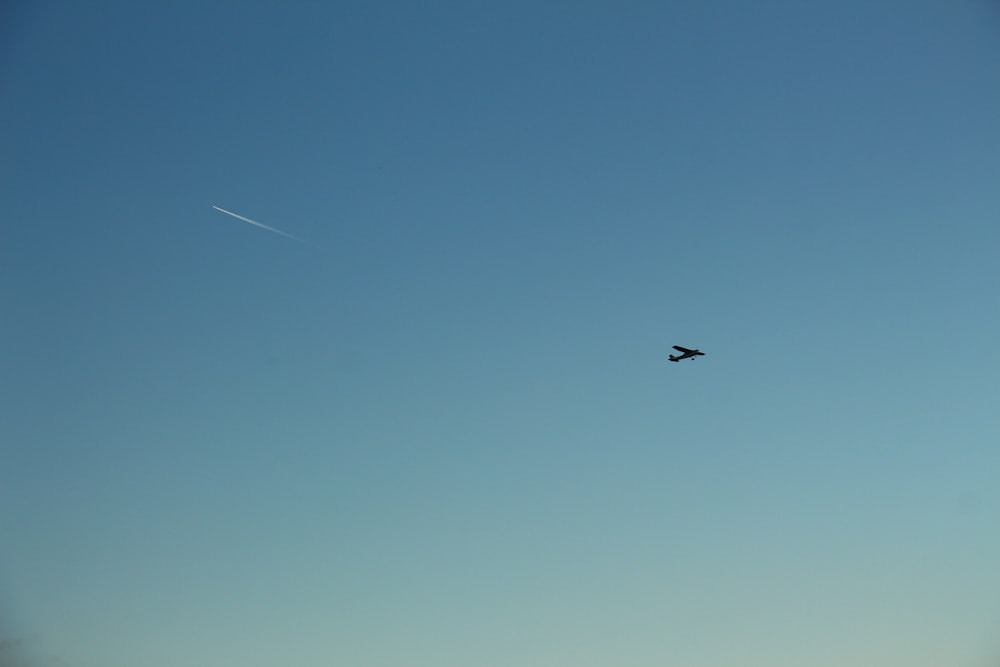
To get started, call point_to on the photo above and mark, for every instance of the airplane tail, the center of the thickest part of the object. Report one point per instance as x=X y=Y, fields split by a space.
x=673 y=358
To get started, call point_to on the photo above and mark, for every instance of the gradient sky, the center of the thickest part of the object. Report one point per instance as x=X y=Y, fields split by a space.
x=449 y=435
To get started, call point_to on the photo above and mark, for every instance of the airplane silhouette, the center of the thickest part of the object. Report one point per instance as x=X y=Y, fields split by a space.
x=685 y=353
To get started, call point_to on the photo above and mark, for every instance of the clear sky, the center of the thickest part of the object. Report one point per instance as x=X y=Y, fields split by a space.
x=449 y=436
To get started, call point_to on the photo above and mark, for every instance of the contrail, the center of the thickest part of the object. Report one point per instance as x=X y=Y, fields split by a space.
x=263 y=226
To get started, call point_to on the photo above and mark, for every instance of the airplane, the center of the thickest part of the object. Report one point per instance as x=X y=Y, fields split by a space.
x=685 y=353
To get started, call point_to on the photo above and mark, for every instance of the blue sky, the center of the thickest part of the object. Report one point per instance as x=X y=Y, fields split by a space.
x=448 y=436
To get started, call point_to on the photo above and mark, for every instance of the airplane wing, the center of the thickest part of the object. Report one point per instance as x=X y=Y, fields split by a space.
x=682 y=349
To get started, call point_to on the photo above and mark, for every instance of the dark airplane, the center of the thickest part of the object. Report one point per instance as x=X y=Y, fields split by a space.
x=685 y=353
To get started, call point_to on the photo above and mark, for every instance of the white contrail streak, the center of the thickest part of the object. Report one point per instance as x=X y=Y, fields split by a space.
x=263 y=226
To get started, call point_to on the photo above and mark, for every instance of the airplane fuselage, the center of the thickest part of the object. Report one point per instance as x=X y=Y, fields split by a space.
x=686 y=353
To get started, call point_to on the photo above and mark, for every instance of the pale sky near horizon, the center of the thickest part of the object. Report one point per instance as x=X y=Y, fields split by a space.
x=449 y=435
